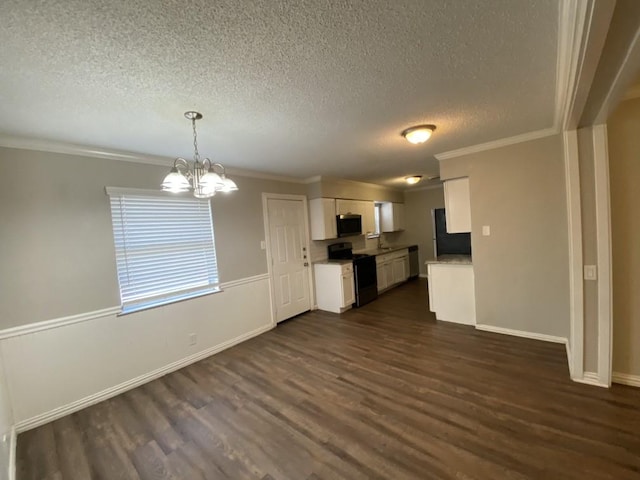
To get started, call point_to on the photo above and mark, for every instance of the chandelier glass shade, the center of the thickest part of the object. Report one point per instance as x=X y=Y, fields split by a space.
x=202 y=178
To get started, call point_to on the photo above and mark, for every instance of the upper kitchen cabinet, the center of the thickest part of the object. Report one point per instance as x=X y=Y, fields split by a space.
x=368 y=217
x=322 y=215
x=391 y=217
x=457 y=205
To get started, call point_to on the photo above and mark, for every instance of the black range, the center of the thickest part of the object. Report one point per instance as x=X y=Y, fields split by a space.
x=364 y=271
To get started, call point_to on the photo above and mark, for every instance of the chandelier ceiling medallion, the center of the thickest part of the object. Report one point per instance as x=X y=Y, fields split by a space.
x=202 y=178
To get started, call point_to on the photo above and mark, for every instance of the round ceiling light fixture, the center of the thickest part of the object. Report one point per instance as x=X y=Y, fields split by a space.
x=413 y=179
x=419 y=133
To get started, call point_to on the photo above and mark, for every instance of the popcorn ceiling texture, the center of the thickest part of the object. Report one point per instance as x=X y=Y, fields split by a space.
x=295 y=88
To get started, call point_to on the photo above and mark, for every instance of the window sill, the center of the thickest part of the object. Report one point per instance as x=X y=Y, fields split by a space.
x=166 y=301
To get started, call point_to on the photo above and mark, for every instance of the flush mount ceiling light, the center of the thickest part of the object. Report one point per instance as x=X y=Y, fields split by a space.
x=419 y=133
x=202 y=178
x=413 y=179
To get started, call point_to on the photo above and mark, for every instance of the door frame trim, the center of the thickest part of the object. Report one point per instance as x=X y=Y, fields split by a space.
x=265 y=215
x=575 y=350
x=603 y=234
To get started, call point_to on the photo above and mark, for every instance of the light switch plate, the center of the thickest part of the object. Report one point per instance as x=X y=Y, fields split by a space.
x=590 y=272
x=263 y=245
x=486 y=230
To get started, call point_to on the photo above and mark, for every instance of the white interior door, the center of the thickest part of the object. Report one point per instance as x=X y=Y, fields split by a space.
x=289 y=267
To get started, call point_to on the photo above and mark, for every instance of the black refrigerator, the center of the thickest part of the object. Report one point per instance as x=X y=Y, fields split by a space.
x=448 y=243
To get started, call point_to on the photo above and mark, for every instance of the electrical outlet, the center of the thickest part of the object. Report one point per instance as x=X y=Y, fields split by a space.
x=193 y=339
x=486 y=230
x=263 y=245
x=590 y=272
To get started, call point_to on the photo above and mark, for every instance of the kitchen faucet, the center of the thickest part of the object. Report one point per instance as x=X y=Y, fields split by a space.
x=380 y=242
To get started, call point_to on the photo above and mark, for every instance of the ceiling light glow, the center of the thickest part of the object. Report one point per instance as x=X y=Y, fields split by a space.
x=413 y=179
x=418 y=134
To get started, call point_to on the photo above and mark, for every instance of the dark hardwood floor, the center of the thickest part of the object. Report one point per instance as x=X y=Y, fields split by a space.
x=381 y=392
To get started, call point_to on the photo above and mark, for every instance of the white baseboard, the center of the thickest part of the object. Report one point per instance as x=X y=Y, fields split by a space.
x=13 y=445
x=64 y=410
x=423 y=275
x=626 y=379
x=522 y=333
x=591 y=378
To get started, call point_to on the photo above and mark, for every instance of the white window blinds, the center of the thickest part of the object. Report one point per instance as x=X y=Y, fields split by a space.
x=164 y=247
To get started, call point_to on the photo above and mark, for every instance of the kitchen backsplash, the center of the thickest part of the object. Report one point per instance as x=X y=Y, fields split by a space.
x=360 y=242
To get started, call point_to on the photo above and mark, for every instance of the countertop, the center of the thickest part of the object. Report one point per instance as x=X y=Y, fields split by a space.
x=452 y=260
x=382 y=251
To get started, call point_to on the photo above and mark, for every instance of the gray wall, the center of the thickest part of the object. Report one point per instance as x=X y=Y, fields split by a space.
x=418 y=223
x=624 y=164
x=522 y=269
x=57 y=246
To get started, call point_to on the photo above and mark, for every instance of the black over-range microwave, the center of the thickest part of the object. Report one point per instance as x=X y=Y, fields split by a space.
x=349 y=225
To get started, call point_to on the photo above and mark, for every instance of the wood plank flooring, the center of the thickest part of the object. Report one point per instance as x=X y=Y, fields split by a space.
x=381 y=392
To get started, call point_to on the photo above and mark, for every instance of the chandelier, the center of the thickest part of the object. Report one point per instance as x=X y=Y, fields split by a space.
x=202 y=178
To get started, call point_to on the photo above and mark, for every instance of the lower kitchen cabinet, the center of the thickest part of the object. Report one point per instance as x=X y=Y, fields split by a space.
x=392 y=269
x=335 y=290
x=400 y=267
x=452 y=292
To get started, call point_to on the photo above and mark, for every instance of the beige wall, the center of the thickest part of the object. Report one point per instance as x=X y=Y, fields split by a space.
x=418 y=205
x=341 y=188
x=522 y=269
x=57 y=247
x=624 y=164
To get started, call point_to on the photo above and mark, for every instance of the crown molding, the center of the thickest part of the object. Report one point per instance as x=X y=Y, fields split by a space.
x=51 y=146
x=503 y=142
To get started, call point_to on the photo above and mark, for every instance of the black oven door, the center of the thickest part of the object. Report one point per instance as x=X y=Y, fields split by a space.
x=366 y=280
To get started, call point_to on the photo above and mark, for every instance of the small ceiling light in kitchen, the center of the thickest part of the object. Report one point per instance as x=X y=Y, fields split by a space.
x=419 y=133
x=412 y=180
x=202 y=178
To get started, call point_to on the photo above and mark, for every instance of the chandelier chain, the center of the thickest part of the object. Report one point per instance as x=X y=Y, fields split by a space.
x=196 y=155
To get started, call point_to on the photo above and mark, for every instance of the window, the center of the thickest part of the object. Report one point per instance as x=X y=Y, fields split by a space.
x=376 y=218
x=164 y=247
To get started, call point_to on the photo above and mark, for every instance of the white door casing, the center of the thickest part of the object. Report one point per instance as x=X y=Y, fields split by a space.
x=286 y=227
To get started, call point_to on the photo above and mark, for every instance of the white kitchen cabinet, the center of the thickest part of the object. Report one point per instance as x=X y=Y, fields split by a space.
x=452 y=292
x=457 y=202
x=367 y=210
x=322 y=216
x=392 y=268
x=335 y=290
x=381 y=276
x=400 y=270
x=391 y=217
x=347 y=207
x=348 y=290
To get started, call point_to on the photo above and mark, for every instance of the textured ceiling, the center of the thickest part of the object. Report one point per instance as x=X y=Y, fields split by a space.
x=298 y=88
